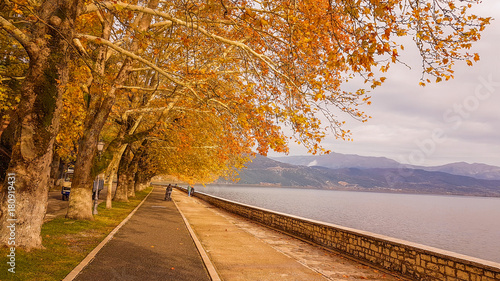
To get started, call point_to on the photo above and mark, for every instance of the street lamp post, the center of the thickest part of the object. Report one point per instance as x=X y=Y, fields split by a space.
x=100 y=146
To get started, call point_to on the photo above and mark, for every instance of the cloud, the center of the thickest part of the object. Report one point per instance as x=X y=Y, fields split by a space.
x=405 y=115
x=313 y=163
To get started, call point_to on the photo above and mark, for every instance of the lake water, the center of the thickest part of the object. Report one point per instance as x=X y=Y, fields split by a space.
x=466 y=225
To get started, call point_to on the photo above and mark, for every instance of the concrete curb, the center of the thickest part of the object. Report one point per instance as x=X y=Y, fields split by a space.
x=206 y=260
x=94 y=252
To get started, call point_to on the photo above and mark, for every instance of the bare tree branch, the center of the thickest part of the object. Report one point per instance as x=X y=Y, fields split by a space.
x=161 y=71
x=16 y=33
x=239 y=44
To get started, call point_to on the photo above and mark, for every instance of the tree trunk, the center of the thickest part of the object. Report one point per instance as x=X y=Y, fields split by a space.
x=109 y=193
x=80 y=200
x=24 y=194
x=142 y=180
x=54 y=170
x=7 y=142
x=111 y=171
x=132 y=169
x=131 y=177
x=140 y=186
x=130 y=184
x=80 y=206
x=121 y=194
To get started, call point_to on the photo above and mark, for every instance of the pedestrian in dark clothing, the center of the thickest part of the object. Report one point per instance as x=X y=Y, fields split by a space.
x=168 y=193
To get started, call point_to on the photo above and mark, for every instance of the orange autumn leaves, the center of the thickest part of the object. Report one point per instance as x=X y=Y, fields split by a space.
x=245 y=70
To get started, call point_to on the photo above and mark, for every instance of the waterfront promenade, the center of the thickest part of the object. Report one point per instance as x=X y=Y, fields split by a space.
x=242 y=250
x=188 y=239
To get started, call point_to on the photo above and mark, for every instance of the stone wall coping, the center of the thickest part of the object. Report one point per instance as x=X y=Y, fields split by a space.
x=419 y=247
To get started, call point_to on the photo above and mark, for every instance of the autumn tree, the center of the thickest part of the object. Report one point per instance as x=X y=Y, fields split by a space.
x=73 y=112
x=42 y=28
x=259 y=65
x=196 y=147
x=293 y=57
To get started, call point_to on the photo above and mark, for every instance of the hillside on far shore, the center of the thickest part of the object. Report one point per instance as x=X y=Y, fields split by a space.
x=378 y=174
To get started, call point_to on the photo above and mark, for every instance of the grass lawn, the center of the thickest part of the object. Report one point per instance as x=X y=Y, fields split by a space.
x=67 y=243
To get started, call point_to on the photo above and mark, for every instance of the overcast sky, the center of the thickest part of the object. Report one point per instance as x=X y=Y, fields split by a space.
x=451 y=121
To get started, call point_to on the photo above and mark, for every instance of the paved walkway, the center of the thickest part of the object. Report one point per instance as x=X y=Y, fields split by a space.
x=243 y=250
x=153 y=245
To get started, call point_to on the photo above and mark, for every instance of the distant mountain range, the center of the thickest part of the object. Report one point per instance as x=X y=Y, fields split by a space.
x=353 y=172
x=338 y=161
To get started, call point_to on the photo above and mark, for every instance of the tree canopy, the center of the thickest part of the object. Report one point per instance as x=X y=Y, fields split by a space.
x=286 y=61
x=191 y=88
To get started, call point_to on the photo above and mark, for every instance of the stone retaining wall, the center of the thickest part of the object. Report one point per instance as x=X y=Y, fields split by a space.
x=410 y=260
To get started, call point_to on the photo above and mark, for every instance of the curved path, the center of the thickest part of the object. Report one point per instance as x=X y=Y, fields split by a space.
x=153 y=245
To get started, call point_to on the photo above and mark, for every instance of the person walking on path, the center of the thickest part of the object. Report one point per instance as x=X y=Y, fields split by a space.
x=189 y=190
x=168 y=193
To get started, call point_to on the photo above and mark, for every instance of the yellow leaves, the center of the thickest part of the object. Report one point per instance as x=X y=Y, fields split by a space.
x=118 y=7
x=485 y=21
x=439 y=45
x=384 y=68
x=386 y=34
x=375 y=84
x=251 y=70
x=306 y=40
x=249 y=12
x=16 y=9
